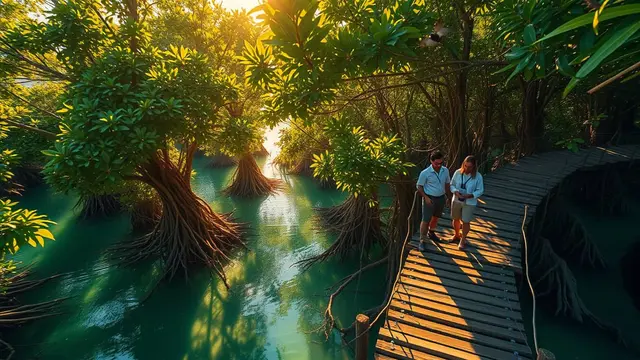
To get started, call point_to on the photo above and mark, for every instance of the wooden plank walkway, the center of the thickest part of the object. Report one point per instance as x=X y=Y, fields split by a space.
x=451 y=304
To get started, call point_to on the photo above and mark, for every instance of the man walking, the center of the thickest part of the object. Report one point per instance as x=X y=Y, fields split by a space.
x=433 y=184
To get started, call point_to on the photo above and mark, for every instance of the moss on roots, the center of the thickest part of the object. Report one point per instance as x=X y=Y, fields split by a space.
x=248 y=180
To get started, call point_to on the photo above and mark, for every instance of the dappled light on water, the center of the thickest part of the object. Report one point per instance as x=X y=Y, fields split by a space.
x=271 y=311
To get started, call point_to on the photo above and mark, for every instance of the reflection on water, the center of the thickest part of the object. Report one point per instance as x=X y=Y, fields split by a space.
x=270 y=311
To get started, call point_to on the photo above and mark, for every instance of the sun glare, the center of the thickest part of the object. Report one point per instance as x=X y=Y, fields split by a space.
x=239 y=4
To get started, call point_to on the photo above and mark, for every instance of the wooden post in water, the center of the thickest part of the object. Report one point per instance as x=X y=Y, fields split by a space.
x=362 y=336
x=544 y=354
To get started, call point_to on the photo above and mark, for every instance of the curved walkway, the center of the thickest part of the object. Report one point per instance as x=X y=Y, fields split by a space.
x=452 y=304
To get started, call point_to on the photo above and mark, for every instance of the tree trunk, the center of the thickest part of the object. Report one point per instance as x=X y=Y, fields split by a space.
x=460 y=140
x=532 y=126
x=248 y=180
x=188 y=233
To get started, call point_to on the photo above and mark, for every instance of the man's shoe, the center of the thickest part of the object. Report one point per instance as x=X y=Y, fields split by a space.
x=421 y=246
x=433 y=236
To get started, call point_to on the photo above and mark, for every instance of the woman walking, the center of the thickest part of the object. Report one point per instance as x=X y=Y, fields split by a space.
x=467 y=186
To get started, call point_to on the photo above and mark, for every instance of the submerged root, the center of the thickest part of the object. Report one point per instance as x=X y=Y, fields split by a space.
x=552 y=277
x=358 y=226
x=604 y=189
x=248 y=180
x=188 y=233
x=569 y=237
x=13 y=313
x=25 y=176
x=98 y=206
x=145 y=215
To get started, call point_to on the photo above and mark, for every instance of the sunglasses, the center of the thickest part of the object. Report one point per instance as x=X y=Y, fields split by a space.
x=438 y=163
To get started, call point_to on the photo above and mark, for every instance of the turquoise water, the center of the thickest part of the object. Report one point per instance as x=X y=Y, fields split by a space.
x=602 y=292
x=272 y=310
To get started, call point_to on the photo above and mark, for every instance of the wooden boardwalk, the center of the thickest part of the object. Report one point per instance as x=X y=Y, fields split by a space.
x=451 y=304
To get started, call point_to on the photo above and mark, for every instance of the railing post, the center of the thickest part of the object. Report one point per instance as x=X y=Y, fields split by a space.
x=362 y=336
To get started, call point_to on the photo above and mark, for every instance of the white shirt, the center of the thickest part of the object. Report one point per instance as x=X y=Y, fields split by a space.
x=432 y=182
x=472 y=185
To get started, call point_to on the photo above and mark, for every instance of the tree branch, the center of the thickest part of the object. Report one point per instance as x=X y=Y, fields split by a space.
x=29 y=103
x=45 y=133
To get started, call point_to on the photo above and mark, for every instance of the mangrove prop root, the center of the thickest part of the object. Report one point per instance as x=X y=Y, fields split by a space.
x=25 y=176
x=603 y=189
x=329 y=322
x=358 y=226
x=98 y=206
x=146 y=214
x=13 y=313
x=248 y=180
x=552 y=276
x=188 y=233
x=569 y=237
x=222 y=161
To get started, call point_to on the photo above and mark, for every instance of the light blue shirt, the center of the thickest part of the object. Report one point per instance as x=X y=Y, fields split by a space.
x=432 y=182
x=472 y=185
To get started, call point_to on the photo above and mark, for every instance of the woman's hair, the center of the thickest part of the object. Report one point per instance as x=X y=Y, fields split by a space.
x=471 y=159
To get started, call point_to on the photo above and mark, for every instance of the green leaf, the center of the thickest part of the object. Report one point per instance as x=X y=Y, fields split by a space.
x=574 y=81
x=586 y=42
x=613 y=43
x=610 y=13
x=505 y=69
x=564 y=67
x=521 y=65
x=528 y=10
x=529 y=34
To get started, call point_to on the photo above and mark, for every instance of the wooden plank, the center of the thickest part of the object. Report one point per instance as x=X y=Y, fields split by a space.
x=462 y=334
x=430 y=347
x=456 y=274
x=546 y=177
x=421 y=338
x=463 y=294
x=447 y=233
x=507 y=279
x=489 y=224
x=471 y=253
x=395 y=351
x=500 y=185
x=512 y=250
x=417 y=296
x=518 y=182
x=449 y=284
x=530 y=200
x=483 y=251
x=503 y=328
x=485 y=227
x=497 y=270
x=490 y=214
x=518 y=186
x=511 y=206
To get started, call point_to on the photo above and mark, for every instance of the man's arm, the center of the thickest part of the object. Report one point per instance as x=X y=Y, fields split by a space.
x=427 y=200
